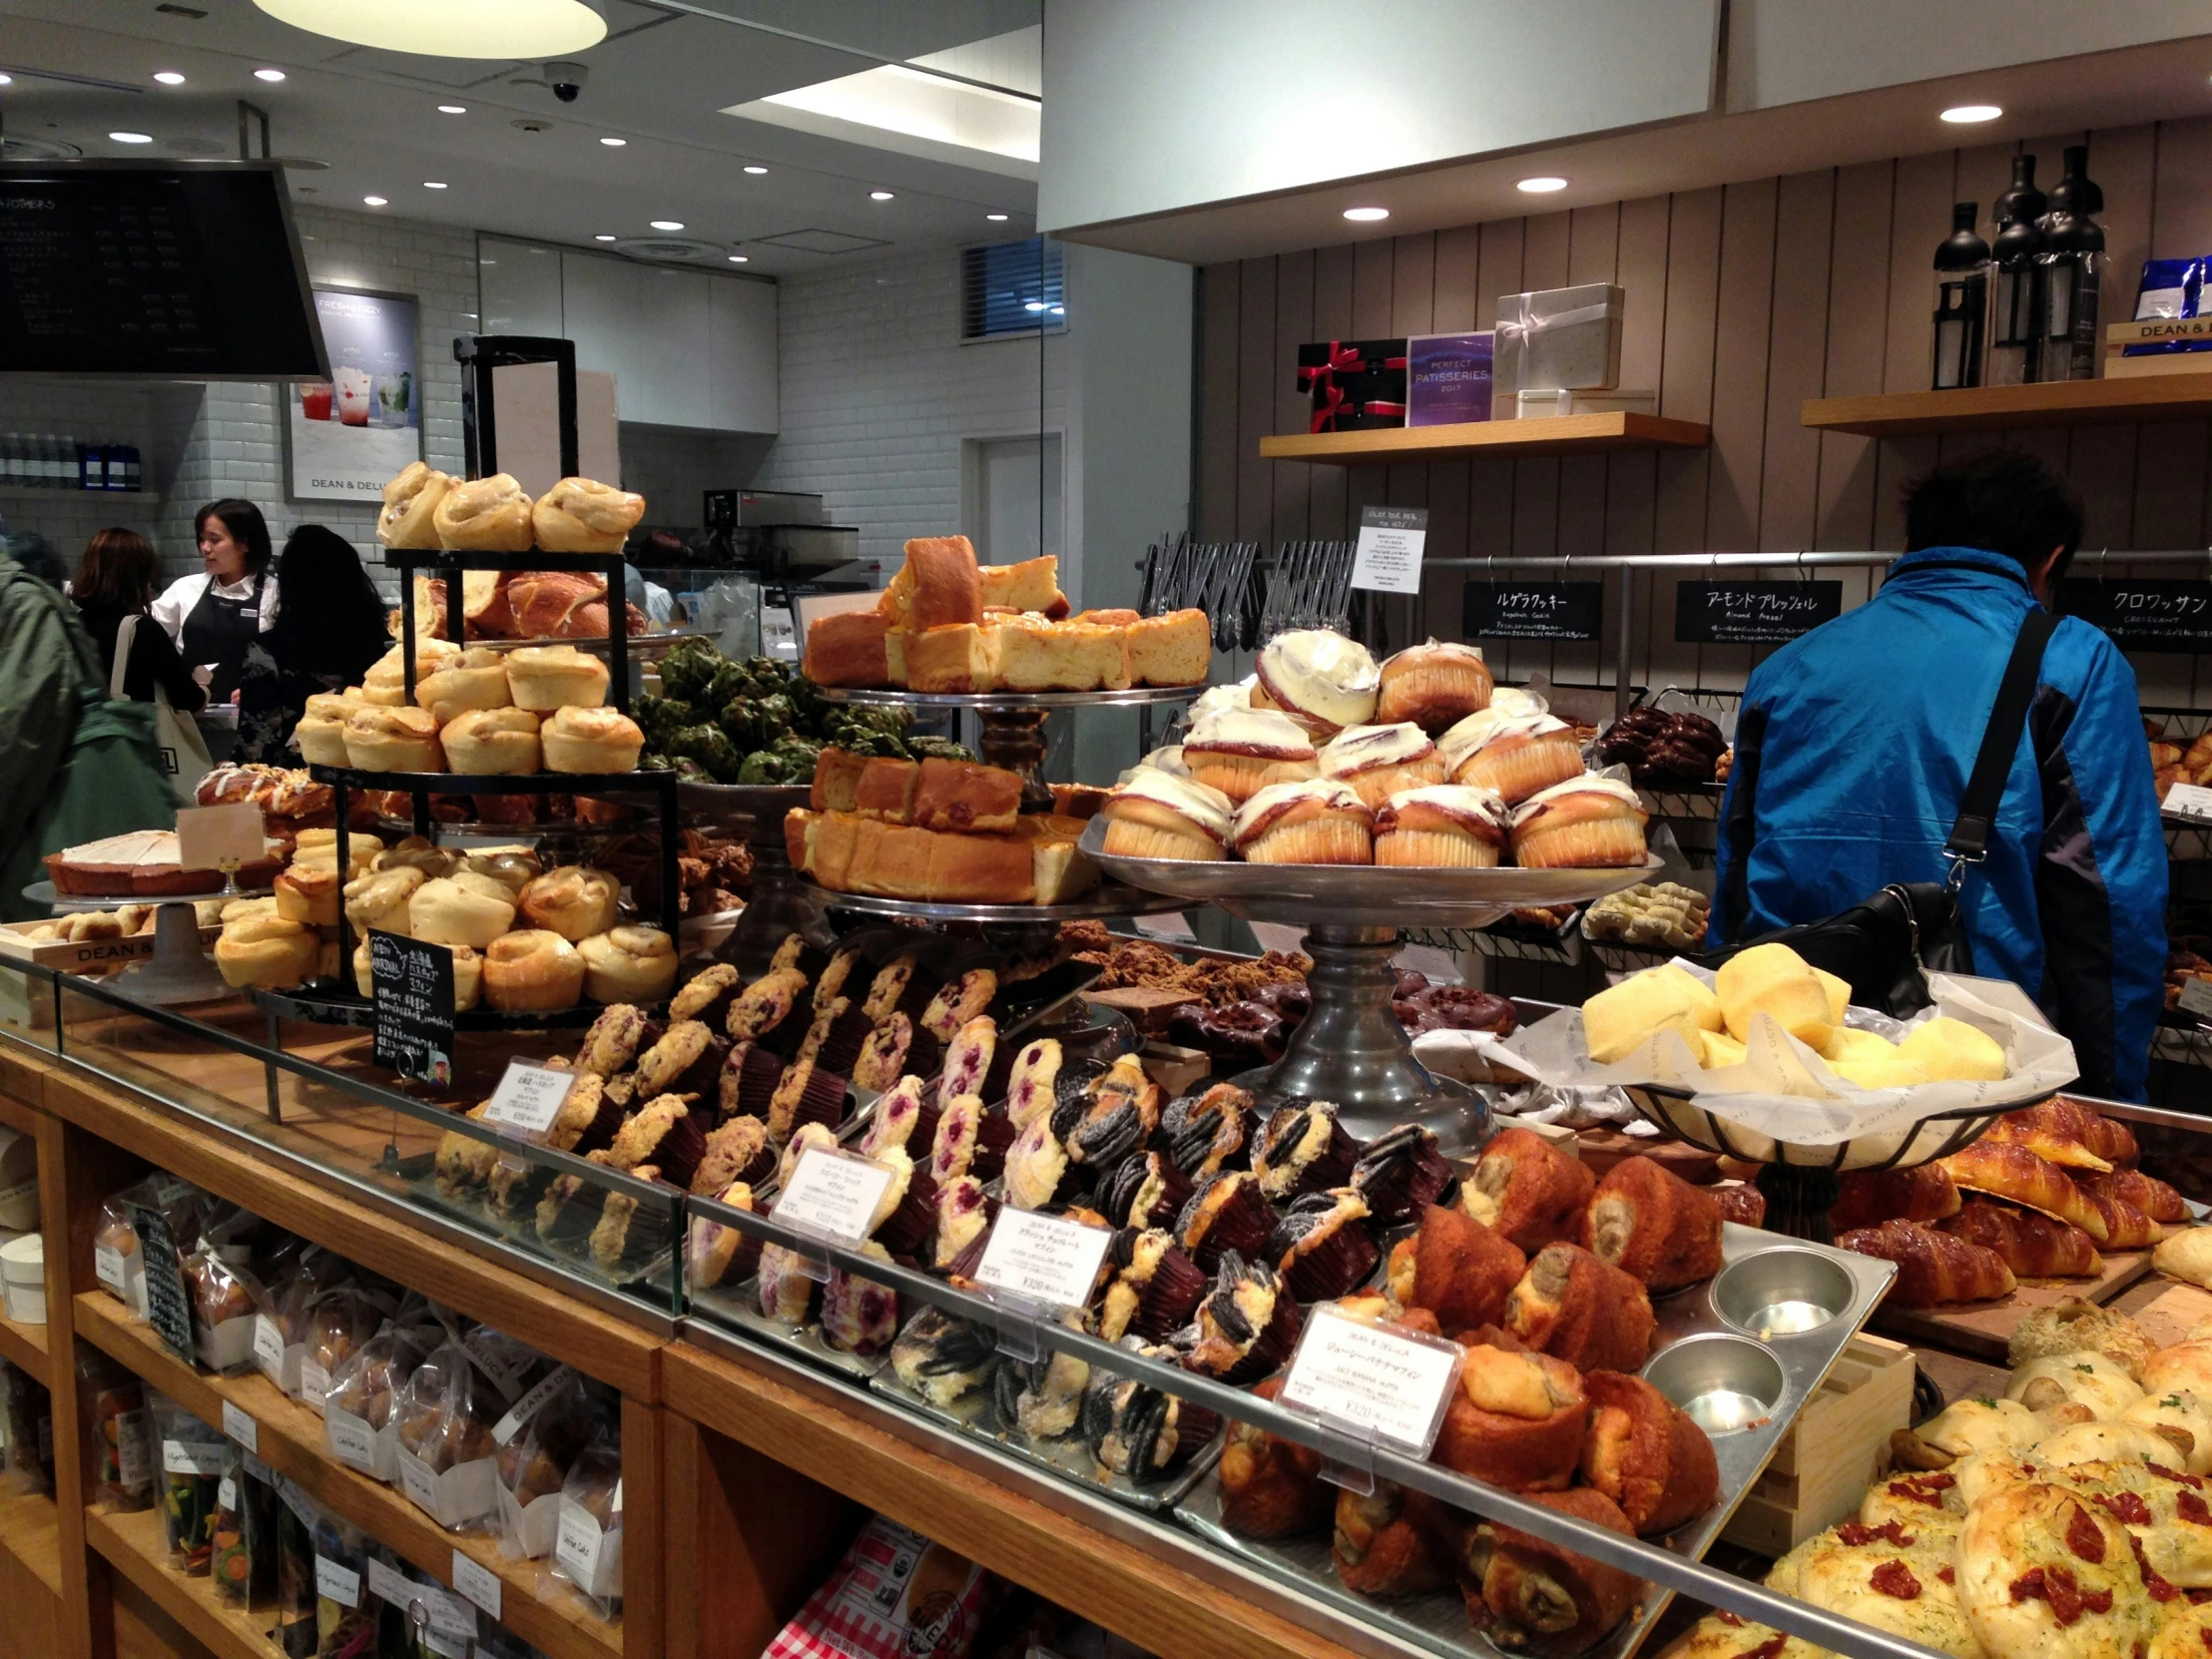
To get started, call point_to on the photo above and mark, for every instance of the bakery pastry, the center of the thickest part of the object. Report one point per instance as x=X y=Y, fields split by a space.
x=548 y=677
x=628 y=964
x=1435 y=686
x=1517 y=1420
x=1393 y=1542
x=1646 y=1454
x=2045 y=1573
x=1171 y=650
x=484 y=515
x=1578 y=1308
x=1303 y=1148
x=1155 y=815
x=1527 y=1190
x=1321 y=1247
x=477 y=679
x=1205 y=1133
x=939 y=584
x=1622 y=1018
x=1648 y=1221
x=1951 y=1049
x=385 y=681
x=378 y=899
x=1525 y=1593
x=597 y=740
x=579 y=515
x=1923 y=1193
x=266 y=952
x=1245 y=1326
x=1586 y=821
x=320 y=733
x=1029 y=585
x=532 y=971
x=462 y=908
x=2017 y=1175
x=489 y=741
x=2186 y=1254
x=1228 y=1215
x=1239 y=751
x=2031 y=1245
x=394 y=739
x=1314 y=821
x=849 y=648
x=308 y=894
x=1401 y=1173
x=408 y=517
x=1380 y=760
x=1513 y=747
x=1441 y=826
x=1933 y=1268
x=1455 y=1268
x=572 y=902
x=1321 y=678
x=1031 y=654
x=1271 y=1488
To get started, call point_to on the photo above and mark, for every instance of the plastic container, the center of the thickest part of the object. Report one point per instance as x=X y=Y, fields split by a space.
x=23 y=1278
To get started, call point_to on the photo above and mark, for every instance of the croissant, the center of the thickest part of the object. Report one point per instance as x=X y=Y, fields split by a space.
x=2032 y=1245
x=1458 y=1269
x=1646 y=1454
x=2125 y=1225
x=1576 y=1307
x=2109 y=1138
x=1923 y=1193
x=1933 y=1268
x=2012 y=1171
x=1529 y=1190
x=1526 y=1593
x=1650 y=1222
x=2058 y=1130
x=2131 y=1186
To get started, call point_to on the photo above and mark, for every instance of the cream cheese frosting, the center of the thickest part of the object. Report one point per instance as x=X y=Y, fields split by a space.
x=1483 y=809
x=1266 y=733
x=1486 y=726
x=1213 y=699
x=1205 y=806
x=1359 y=748
x=1590 y=782
x=1255 y=815
x=1319 y=674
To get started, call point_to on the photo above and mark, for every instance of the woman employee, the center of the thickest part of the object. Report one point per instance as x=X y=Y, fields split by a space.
x=215 y=615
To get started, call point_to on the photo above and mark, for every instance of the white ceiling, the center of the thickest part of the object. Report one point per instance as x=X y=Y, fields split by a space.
x=660 y=81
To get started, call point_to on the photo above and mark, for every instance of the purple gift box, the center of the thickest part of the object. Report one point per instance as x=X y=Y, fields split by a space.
x=1448 y=379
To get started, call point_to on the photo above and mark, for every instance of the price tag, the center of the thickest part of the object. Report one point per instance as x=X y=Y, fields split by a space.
x=386 y=1584
x=448 y=1614
x=833 y=1192
x=192 y=1457
x=241 y=1428
x=2188 y=801
x=580 y=1540
x=1370 y=1381
x=528 y=1099
x=1752 y=613
x=1532 y=610
x=226 y=1494
x=335 y=1581
x=1388 y=558
x=420 y=1484
x=508 y=1427
x=268 y=1348
x=477 y=1582
x=2147 y=614
x=208 y=837
x=168 y=1308
x=350 y=1440
x=107 y=1267
x=314 y=1382
x=1042 y=1259
x=2196 y=997
x=412 y=1016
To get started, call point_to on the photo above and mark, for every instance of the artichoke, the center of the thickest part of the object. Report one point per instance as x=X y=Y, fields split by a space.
x=927 y=747
x=710 y=746
x=687 y=669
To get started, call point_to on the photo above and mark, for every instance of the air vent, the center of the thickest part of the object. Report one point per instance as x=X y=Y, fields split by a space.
x=669 y=247
x=822 y=242
x=14 y=148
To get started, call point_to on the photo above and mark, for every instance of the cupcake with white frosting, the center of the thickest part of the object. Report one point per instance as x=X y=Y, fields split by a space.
x=1240 y=750
x=1323 y=680
x=1441 y=826
x=1153 y=814
x=1513 y=747
x=1592 y=822
x=1380 y=760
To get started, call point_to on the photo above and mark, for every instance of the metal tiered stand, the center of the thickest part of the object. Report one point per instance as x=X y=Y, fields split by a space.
x=778 y=903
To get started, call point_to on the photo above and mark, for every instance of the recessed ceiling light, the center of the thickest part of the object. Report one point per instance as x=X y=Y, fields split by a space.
x=1363 y=214
x=431 y=184
x=374 y=201
x=440 y=29
x=879 y=195
x=996 y=219
x=740 y=259
x=132 y=137
x=603 y=238
x=1542 y=184
x=614 y=143
x=268 y=75
x=169 y=77
x=668 y=224
x=453 y=109
x=7 y=80
x=1968 y=115
x=756 y=170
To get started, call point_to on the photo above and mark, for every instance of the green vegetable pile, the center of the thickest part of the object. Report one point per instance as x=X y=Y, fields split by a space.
x=756 y=721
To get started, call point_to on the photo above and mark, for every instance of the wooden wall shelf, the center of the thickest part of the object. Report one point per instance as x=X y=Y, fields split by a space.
x=1587 y=435
x=137 y=1547
x=24 y=1347
x=1993 y=409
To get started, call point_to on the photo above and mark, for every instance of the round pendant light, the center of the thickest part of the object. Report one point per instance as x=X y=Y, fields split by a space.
x=440 y=29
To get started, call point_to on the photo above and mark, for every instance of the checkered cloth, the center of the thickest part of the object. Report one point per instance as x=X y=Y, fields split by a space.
x=862 y=1610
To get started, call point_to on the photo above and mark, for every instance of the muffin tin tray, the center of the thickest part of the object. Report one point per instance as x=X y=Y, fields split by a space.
x=1742 y=1353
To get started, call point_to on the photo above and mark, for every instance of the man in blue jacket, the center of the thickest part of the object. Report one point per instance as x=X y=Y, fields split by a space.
x=1854 y=743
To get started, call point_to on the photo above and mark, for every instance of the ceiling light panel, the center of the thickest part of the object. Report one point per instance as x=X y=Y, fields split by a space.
x=440 y=29
x=912 y=102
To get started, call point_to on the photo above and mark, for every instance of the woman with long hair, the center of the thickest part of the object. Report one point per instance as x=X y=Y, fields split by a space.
x=114 y=582
x=330 y=630
x=216 y=614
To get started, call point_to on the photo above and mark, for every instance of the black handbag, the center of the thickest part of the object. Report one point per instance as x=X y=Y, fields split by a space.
x=1885 y=945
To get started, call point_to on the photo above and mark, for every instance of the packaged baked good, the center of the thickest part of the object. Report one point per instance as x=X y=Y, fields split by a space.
x=539 y=1439
x=357 y=1407
x=588 y=1552
x=919 y=1596
x=115 y=1258
x=231 y=1553
x=193 y=1457
x=335 y=1323
x=120 y=1433
x=226 y=1301
x=444 y=1417
x=346 y=1610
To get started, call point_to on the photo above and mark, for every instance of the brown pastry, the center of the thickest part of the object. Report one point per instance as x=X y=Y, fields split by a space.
x=1391 y=1542
x=1923 y=1193
x=2031 y=1245
x=2125 y=1227
x=1271 y=1488
x=1525 y=1593
x=2068 y=1133
x=1517 y=1420
x=2131 y=1186
x=1646 y=1454
x=1578 y=1308
x=1933 y=1268
x=1741 y=1203
x=1457 y=1268
x=2004 y=1170
x=1650 y=1222
x=1529 y=1190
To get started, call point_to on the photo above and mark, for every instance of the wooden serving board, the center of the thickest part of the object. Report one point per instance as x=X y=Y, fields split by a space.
x=1982 y=1329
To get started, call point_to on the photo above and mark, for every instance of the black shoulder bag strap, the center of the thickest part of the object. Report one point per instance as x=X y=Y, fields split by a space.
x=1968 y=842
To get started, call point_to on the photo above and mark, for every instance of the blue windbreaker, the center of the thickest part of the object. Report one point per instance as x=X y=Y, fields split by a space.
x=1854 y=745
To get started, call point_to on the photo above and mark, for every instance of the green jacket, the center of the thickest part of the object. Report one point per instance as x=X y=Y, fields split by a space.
x=74 y=767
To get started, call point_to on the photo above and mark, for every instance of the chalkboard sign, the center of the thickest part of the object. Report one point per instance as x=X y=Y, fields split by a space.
x=168 y=1306
x=1752 y=613
x=2173 y=614
x=412 y=984
x=1532 y=610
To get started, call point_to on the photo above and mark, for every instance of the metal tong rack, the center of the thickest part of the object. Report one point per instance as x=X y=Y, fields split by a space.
x=1251 y=598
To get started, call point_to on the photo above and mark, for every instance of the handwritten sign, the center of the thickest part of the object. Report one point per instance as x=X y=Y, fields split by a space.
x=1532 y=610
x=1752 y=613
x=2174 y=614
x=168 y=1308
x=216 y=837
x=477 y=1582
x=1388 y=558
x=1042 y=1259
x=834 y=1193
x=1371 y=1381
x=412 y=984
x=2195 y=998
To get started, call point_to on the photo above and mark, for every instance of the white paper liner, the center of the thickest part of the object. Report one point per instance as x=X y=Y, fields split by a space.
x=1782 y=1095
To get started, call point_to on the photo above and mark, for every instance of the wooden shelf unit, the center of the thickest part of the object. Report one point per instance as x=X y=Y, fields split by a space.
x=137 y=1547
x=24 y=1347
x=1897 y=414
x=1584 y=435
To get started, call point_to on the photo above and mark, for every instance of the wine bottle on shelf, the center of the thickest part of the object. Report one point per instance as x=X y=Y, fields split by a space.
x=1962 y=301
x=2072 y=269
x=2016 y=311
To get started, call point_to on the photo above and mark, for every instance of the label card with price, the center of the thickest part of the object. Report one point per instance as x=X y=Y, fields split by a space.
x=412 y=1006
x=477 y=1582
x=335 y=1581
x=1752 y=613
x=1042 y=1259
x=833 y=1193
x=241 y=1428
x=2188 y=801
x=386 y=1584
x=1386 y=558
x=528 y=1099
x=208 y=837
x=1376 y=1383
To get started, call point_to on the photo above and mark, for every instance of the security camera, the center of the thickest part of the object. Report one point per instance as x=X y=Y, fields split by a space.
x=567 y=80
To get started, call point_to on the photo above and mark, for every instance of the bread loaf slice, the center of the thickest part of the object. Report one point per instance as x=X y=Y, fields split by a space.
x=1035 y=654
x=958 y=656
x=848 y=649
x=1032 y=585
x=1172 y=650
x=966 y=796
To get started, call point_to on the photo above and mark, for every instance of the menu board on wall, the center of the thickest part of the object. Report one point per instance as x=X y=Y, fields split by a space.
x=1532 y=610
x=1752 y=613
x=2168 y=614
x=347 y=437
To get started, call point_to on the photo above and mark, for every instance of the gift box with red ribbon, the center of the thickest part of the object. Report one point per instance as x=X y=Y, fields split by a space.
x=1348 y=400
x=1329 y=363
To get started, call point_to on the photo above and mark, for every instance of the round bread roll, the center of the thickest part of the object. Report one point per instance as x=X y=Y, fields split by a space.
x=382 y=697
x=591 y=740
x=572 y=902
x=476 y=679
x=321 y=734
x=364 y=976
x=266 y=952
x=460 y=910
x=379 y=899
x=485 y=515
x=485 y=742
x=580 y=515
x=416 y=852
x=408 y=517
x=308 y=894
x=394 y=739
x=533 y=970
x=628 y=964
x=237 y=909
x=514 y=868
x=389 y=672
x=549 y=677
x=321 y=845
x=468 y=976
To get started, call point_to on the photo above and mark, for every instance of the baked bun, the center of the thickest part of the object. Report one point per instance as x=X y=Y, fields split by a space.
x=1316 y=821
x=572 y=902
x=1319 y=677
x=1240 y=750
x=1380 y=760
x=1155 y=815
x=308 y=894
x=1586 y=821
x=1441 y=824
x=1433 y=686
x=460 y=910
x=579 y=515
x=1517 y=1420
x=407 y=519
x=394 y=739
x=591 y=740
x=1514 y=747
x=476 y=679
x=485 y=515
x=379 y=899
x=489 y=741
x=320 y=733
x=533 y=971
x=266 y=952
x=1646 y=1454
x=386 y=683
x=549 y=677
x=628 y=964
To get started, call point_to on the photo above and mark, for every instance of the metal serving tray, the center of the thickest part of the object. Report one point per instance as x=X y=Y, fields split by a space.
x=739 y=1308
x=1711 y=1358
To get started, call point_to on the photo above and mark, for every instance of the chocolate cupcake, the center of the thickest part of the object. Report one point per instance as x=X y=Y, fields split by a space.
x=1144 y=1189
x=772 y=1011
x=804 y=1095
x=1109 y=1130
x=836 y=978
x=809 y=1135
x=1041 y=1398
x=906 y=1214
x=786 y=1293
x=614 y=1039
x=746 y=1082
x=1036 y=1166
x=796 y=954
x=860 y=1316
x=1032 y=1085
x=1228 y=1214
x=1155 y=1289
x=1205 y=1133
x=1322 y=1248
x=737 y=1153
x=687 y=1060
x=1126 y=1080
x=1138 y=1431
x=706 y=996
x=1401 y=1173
x=901 y=986
x=967 y=1060
x=665 y=1134
x=964 y=1214
x=958 y=1001
x=715 y=1255
x=943 y=1359
x=834 y=1039
x=1303 y=1148
x=892 y=1121
x=1247 y=1325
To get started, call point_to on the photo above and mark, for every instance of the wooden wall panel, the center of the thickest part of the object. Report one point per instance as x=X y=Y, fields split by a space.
x=1256 y=375
x=1219 y=434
